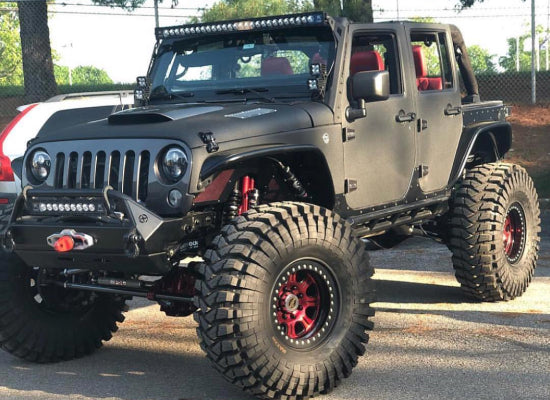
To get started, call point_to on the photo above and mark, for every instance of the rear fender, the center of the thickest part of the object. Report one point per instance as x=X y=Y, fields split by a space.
x=492 y=139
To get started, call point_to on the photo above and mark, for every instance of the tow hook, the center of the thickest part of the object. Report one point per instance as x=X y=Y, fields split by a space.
x=69 y=239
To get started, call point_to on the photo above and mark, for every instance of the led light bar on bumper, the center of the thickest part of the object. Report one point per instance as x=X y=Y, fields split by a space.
x=65 y=206
x=250 y=24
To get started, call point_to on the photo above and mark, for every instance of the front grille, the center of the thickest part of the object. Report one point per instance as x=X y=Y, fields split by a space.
x=127 y=165
x=126 y=171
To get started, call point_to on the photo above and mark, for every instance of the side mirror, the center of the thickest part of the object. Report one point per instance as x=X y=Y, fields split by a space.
x=366 y=86
x=370 y=86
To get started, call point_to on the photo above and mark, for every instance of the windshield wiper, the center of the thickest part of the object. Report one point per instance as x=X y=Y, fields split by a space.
x=172 y=96
x=256 y=91
x=160 y=92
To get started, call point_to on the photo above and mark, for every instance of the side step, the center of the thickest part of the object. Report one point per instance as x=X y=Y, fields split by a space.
x=416 y=213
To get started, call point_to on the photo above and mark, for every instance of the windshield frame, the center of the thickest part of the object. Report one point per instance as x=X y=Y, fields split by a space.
x=280 y=87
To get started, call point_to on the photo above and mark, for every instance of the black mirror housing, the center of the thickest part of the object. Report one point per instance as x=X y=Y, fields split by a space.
x=370 y=86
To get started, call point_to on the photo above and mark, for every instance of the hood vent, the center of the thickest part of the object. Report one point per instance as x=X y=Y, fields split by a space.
x=151 y=115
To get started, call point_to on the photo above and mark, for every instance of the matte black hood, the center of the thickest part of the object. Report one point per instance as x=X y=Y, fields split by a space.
x=184 y=122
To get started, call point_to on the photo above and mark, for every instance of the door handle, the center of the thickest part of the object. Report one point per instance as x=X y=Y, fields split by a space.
x=450 y=110
x=405 y=117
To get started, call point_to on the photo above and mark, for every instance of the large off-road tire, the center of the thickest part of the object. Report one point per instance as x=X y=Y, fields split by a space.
x=495 y=226
x=284 y=301
x=49 y=324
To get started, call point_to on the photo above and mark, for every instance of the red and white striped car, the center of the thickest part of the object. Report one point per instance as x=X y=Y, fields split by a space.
x=58 y=112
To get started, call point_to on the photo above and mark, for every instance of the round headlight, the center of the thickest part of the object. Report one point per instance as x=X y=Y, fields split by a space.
x=40 y=165
x=174 y=164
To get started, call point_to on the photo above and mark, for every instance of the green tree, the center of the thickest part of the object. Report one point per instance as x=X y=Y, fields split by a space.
x=82 y=75
x=482 y=61
x=61 y=73
x=509 y=61
x=125 y=4
x=87 y=74
x=128 y=5
x=234 y=9
x=357 y=10
x=11 y=71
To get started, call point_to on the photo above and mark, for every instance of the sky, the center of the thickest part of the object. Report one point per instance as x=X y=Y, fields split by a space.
x=121 y=44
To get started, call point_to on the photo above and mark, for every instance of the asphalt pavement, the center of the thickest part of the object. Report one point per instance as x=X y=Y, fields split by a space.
x=429 y=342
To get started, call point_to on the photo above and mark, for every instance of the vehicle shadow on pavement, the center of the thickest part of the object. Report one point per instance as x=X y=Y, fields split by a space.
x=121 y=373
x=483 y=318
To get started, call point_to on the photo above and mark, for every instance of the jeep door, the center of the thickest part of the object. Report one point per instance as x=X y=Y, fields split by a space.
x=379 y=149
x=438 y=102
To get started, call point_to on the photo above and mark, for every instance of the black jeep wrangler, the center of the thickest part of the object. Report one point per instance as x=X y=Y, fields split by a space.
x=272 y=148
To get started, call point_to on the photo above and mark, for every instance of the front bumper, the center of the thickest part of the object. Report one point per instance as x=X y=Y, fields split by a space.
x=127 y=237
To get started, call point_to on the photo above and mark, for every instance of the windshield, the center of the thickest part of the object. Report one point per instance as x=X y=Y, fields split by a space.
x=250 y=64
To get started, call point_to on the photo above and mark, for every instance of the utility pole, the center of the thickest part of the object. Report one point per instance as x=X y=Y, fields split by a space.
x=397 y=1
x=157 y=13
x=533 y=57
x=547 y=30
x=537 y=54
x=70 y=66
x=518 y=53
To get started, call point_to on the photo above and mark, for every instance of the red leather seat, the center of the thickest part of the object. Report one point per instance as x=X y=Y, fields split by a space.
x=317 y=59
x=435 y=84
x=366 y=61
x=276 y=66
x=422 y=80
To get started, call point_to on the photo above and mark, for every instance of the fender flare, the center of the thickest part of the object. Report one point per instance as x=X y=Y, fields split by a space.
x=223 y=160
x=500 y=135
x=226 y=160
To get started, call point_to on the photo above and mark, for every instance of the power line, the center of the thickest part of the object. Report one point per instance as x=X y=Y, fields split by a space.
x=64 y=4
x=381 y=12
x=113 y=14
x=108 y=13
x=429 y=10
x=468 y=16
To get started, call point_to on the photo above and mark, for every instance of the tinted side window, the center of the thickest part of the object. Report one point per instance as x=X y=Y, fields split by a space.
x=446 y=61
x=431 y=61
x=376 y=52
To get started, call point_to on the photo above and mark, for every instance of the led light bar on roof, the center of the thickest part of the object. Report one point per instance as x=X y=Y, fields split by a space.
x=251 y=24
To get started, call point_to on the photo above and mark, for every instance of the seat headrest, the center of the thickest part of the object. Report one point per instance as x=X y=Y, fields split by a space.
x=317 y=59
x=419 y=62
x=366 y=61
x=276 y=66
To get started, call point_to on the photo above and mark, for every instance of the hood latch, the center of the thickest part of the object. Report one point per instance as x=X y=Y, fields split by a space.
x=210 y=141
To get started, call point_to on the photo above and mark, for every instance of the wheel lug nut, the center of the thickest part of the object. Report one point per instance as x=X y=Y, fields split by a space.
x=300 y=307
x=293 y=316
x=300 y=295
x=294 y=287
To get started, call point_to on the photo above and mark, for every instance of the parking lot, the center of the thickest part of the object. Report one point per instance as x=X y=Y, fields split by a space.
x=430 y=342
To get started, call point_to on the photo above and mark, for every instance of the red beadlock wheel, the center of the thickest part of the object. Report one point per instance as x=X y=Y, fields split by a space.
x=513 y=234
x=283 y=301
x=304 y=303
x=494 y=231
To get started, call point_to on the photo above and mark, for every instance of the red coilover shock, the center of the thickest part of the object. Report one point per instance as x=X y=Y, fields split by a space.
x=247 y=190
x=243 y=198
